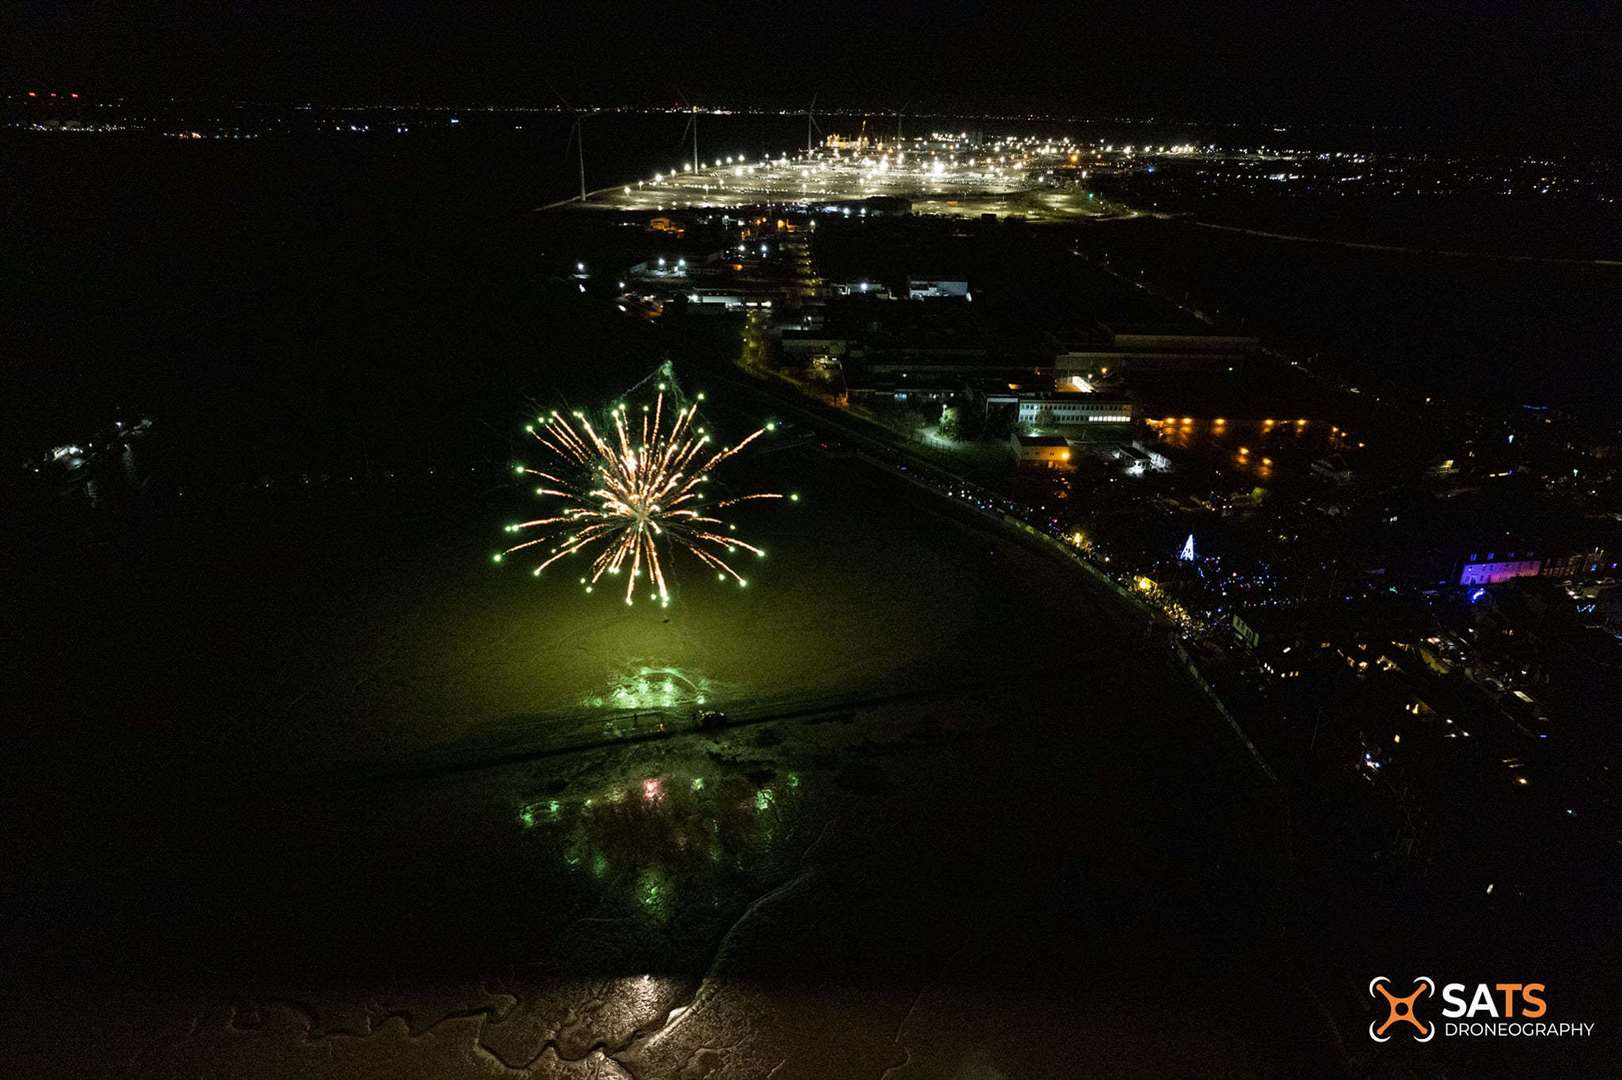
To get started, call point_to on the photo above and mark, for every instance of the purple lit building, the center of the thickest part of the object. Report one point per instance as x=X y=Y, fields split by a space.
x=1498 y=566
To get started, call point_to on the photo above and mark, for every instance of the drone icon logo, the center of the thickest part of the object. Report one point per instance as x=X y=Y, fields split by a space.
x=1401 y=1009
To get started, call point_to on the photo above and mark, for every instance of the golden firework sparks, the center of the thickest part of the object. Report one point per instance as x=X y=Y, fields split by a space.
x=632 y=492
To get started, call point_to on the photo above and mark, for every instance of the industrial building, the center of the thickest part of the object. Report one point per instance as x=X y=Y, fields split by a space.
x=1106 y=350
x=1042 y=410
x=1041 y=452
x=937 y=288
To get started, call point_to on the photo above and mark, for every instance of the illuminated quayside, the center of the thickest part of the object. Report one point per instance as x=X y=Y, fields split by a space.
x=943 y=172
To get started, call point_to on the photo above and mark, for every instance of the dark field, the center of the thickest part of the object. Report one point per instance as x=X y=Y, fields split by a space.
x=1043 y=850
x=1486 y=331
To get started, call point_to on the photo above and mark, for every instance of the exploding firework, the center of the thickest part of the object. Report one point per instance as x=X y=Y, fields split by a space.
x=631 y=490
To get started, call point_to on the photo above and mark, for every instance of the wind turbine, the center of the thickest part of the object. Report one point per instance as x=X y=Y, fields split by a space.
x=576 y=137
x=811 y=122
x=692 y=125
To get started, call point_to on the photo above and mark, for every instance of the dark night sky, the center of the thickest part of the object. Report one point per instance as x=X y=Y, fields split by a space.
x=1469 y=65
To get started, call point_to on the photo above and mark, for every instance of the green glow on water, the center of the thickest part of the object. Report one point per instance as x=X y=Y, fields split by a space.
x=764 y=799
x=654 y=893
x=599 y=864
x=650 y=686
x=698 y=783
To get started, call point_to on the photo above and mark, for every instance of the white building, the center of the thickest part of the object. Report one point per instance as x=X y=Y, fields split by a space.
x=919 y=288
x=1073 y=410
x=1042 y=452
